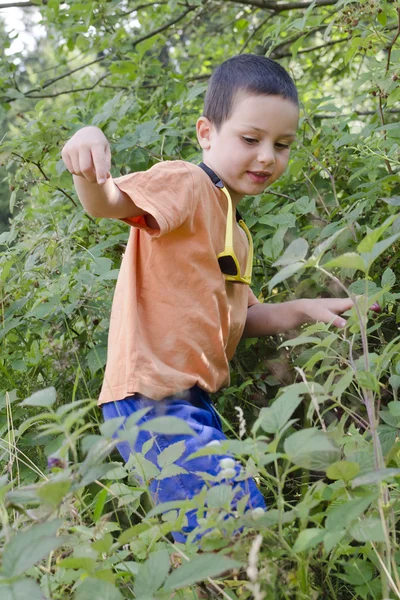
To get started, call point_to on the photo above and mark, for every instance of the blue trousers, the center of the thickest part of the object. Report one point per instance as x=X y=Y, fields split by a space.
x=196 y=409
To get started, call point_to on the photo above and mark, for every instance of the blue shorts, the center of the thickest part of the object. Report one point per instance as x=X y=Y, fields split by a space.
x=197 y=410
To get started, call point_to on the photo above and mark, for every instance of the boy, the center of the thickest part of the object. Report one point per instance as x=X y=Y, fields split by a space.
x=182 y=300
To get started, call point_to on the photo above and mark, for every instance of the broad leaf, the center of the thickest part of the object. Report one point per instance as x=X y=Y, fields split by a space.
x=45 y=397
x=167 y=425
x=284 y=274
x=311 y=449
x=350 y=260
x=199 y=568
x=152 y=573
x=26 y=548
x=295 y=252
x=97 y=589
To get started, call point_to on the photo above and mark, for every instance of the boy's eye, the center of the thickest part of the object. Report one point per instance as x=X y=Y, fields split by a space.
x=249 y=140
x=281 y=146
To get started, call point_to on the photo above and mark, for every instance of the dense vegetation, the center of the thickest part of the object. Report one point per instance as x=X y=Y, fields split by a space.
x=315 y=416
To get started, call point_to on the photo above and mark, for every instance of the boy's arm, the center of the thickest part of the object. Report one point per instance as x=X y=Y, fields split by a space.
x=87 y=156
x=270 y=319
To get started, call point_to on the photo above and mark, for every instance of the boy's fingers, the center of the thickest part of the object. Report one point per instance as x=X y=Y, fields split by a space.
x=86 y=166
x=67 y=161
x=342 y=304
x=327 y=316
x=99 y=156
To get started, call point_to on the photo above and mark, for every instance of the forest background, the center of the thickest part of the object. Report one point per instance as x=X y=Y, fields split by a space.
x=315 y=416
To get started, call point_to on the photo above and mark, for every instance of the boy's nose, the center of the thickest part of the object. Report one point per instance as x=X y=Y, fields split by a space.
x=266 y=156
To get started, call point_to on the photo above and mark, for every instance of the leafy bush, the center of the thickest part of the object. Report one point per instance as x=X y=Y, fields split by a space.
x=318 y=420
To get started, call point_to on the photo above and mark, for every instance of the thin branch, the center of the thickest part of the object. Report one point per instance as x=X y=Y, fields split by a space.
x=163 y=27
x=331 y=43
x=84 y=89
x=283 y=6
x=39 y=166
x=288 y=41
x=389 y=49
x=18 y=5
x=67 y=74
x=254 y=32
x=126 y=14
x=382 y=118
x=360 y=113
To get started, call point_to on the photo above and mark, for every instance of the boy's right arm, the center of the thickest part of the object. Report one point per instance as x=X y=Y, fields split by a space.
x=87 y=156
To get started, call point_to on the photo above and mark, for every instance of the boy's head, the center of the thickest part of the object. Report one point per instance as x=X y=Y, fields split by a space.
x=249 y=121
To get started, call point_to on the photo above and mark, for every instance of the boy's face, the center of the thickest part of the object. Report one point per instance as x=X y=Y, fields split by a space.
x=251 y=149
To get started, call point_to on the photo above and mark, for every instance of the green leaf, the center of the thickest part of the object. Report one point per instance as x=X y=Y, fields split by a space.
x=273 y=418
x=368 y=530
x=309 y=538
x=171 y=454
x=341 y=386
x=350 y=260
x=53 y=492
x=45 y=397
x=171 y=505
x=13 y=199
x=295 y=252
x=97 y=588
x=21 y=590
x=343 y=469
x=388 y=278
x=375 y=477
x=168 y=425
x=78 y=562
x=368 y=243
x=340 y=517
x=27 y=548
x=199 y=568
x=285 y=273
x=379 y=249
x=300 y=340
x=152 y=573
x=311 y=449
x=220 y=496
x=96 y=358
x=382 y=18
x=367 y=380
x=324 y=246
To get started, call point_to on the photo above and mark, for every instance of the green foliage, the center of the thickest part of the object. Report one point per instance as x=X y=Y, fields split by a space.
x=322 y=407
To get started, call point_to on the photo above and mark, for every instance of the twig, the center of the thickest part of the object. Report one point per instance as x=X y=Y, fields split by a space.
x=390 y=47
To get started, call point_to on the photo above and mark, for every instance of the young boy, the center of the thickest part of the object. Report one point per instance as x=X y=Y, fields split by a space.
x=182 y=300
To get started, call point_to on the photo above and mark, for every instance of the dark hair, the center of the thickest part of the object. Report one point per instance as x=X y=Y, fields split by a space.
x=248 y=72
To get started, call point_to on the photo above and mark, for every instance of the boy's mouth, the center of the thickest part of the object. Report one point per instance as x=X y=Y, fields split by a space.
x=259 y=176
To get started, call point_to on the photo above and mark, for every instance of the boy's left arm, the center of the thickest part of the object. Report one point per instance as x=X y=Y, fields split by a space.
x=270 y=319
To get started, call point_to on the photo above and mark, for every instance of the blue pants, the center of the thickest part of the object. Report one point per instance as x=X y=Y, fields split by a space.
x=196 y=409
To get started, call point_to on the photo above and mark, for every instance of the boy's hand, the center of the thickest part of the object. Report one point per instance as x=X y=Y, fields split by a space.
x=326 y=310
x=269 y=319
x=87 y=154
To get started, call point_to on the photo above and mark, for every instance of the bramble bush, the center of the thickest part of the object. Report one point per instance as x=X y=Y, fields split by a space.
x=314 y=415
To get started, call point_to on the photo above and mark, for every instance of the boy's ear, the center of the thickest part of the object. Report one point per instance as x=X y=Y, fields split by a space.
x=204 y=129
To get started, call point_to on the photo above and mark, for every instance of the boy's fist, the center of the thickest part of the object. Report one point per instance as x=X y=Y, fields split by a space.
x=88 y=155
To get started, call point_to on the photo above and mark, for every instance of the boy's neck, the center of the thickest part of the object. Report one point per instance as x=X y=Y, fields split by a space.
x=236 y=198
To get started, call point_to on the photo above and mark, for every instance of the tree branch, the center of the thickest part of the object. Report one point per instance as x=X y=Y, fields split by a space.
x=70 y=91
x=282 y=6
x=67 y=74
x=390 y=48
x=39 y=166
x=18 y=5
x=288 y=54
x=164 y=27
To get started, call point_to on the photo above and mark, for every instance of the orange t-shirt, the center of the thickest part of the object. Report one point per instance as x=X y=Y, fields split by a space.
x=175 y=321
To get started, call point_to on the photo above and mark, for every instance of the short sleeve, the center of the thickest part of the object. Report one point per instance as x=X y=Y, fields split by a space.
x=252 y=299
x=166 y=191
